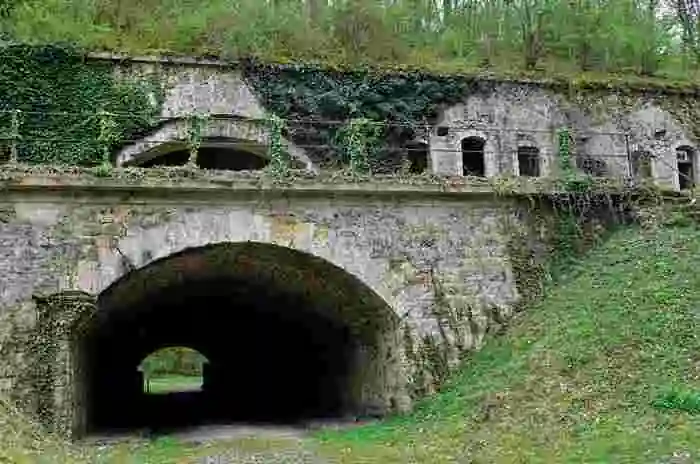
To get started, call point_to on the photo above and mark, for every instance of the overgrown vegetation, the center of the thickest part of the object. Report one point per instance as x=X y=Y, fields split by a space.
x=330 y=112
x=641 y=37
x=178 y=360
x=57 y=109
x=583 y=376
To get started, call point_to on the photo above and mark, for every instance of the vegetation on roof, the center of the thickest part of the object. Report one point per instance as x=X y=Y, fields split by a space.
x=620 y=39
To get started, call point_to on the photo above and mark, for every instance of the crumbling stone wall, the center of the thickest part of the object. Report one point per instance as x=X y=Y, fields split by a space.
x=607 y=125
x=406 y=248
x=607 y=130
x=505 y=116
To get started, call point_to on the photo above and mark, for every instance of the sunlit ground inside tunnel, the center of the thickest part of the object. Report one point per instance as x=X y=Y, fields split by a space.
x=173 y=370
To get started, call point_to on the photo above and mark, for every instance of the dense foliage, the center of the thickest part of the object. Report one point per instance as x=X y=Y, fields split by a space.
x=318 y=102
x=173 y=361
x=648 y=37
x=71 y=112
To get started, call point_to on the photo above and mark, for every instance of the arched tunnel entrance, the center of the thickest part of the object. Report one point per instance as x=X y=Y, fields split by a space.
x=288 y=337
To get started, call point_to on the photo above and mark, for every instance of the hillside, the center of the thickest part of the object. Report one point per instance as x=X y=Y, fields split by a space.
x=605 y=369
x=625 y=37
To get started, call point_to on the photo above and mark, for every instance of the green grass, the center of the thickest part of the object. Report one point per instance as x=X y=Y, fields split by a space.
x=606 y=369
x=172 y=383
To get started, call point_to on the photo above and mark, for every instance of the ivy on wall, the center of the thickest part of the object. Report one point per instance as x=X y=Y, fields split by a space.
x=70 y=111
x=402 y=103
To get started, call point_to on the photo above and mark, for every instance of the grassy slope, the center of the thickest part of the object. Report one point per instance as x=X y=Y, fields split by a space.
x=574 y=380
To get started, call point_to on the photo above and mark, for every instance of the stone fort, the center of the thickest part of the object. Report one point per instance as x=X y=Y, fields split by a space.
x=319 y=298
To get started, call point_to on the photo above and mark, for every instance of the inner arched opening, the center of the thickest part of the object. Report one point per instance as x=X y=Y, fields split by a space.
x=529 y=161
x=212 y=157
x=473 y=163
x=173 y=369
x=685 y=156
x=287 y=337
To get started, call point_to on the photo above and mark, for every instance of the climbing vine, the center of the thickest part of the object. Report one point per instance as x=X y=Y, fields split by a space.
x=108 y=136
x=280 y=160
x=358 y=139
x=319 y=102
x=196 y=126
x=56 y=108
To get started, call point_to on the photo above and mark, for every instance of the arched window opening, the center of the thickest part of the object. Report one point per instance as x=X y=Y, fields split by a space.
x=641 y=165
x=529 y=161
x=473 y=157
x=231 y=160
x=685 y=156
x=212 y=158
x=417 y=155
x=173 y=370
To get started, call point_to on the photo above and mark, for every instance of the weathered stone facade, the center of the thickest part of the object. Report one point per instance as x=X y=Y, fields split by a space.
x=508 y=117
x=88 y=236
x=612 y=134
x=417 y=274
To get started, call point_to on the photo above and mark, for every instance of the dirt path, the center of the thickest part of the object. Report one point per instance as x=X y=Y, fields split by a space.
x=281 y=444
x=240 y=443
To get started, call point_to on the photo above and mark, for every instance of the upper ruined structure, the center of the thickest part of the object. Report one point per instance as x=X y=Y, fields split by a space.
x=492 y=129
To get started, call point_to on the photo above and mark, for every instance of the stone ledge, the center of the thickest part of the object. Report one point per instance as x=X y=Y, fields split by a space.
x=163 y=181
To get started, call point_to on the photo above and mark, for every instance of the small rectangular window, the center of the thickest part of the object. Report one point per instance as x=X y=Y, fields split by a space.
x=529 y=161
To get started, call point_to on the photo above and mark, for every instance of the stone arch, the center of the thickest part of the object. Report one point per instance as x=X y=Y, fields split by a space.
x=686 y=165
x=487 y=151
x=279 y=287
x=529 y=159
x=231 y=133
x=648 y=128
x=506 y=112
x=144 y=244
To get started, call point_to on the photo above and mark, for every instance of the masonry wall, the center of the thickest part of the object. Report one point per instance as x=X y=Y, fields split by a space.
x=606 y=131
x=607 y=127
x=398 y=245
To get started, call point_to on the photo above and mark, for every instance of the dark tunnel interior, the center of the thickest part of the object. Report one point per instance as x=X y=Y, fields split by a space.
x=212 y=158
x=273 y=357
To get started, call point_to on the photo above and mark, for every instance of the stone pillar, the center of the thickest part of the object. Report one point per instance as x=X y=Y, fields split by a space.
x=57 y=380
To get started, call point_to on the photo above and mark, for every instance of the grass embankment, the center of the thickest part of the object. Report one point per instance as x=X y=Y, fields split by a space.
x=587 y=375
x=173 y=383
